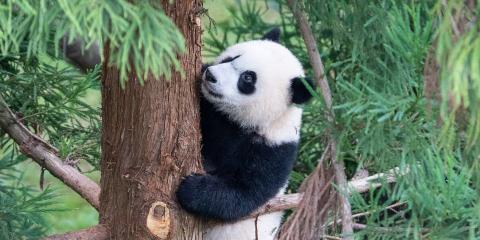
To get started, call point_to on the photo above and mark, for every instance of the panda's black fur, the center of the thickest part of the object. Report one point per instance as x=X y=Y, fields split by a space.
x=243 y=170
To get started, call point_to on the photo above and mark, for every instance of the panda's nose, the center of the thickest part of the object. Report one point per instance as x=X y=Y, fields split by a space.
x=209 y=76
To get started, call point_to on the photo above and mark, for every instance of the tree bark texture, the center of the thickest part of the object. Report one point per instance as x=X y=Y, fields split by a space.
x=151 y=139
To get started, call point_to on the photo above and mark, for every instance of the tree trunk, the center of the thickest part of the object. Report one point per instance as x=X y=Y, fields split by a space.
x=151 y=139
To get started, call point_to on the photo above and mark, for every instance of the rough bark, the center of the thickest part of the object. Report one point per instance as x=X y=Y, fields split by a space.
x=151 y=139
x=98 y=232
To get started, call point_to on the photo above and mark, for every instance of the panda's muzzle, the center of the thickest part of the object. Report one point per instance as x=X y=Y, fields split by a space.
x=209 y=79
x=209 y=76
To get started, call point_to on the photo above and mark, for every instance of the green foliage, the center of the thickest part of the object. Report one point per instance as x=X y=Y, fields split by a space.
x=140 y=37
x=374 y=54
x=21 y=207
x=49 y=98
x=379 y=98
x=458 y=50
x=444 y=207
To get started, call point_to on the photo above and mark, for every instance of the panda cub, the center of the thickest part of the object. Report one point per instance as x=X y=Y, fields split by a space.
x=250 y=125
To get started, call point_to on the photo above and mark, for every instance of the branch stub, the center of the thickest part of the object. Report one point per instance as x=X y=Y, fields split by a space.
x=158 y=220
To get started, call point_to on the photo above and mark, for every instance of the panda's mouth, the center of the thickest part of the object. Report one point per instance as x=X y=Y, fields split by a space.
x=214 y=94
x=211 y=91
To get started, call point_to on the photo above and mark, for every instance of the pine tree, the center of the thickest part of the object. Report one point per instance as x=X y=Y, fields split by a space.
x=142 y=43
x=404 y=79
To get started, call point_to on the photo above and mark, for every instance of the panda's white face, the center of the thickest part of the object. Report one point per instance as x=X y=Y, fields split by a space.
x=251 y=82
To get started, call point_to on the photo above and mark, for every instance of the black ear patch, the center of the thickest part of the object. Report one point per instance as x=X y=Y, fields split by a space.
x=300 y=93
x=272 y=35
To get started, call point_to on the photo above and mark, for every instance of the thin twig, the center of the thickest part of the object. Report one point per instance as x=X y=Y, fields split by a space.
x=47 y=156
x=362 y=214
x=256 y=227
x=98 y=232
x=388 y=229
x=319 y=74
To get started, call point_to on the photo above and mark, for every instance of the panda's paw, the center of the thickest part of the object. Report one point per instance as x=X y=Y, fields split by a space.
x=189 y=192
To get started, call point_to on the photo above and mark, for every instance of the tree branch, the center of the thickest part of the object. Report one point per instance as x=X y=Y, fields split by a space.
x=319 y=74
x=98 y=232
x=47 y=156
x=341 y=179
x=279 y=203
x=362 y=185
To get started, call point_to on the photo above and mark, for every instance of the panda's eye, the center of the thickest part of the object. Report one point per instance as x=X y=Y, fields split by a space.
x=249 y=77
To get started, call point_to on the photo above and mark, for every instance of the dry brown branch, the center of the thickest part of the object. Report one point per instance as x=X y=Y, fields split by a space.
x=47 y=156
x=308 y=220
x=341 y=180
x=279 y=203
x=362 y=214
x=388 y=229
x=319 y=74
x=312 y=50
x=98 y=232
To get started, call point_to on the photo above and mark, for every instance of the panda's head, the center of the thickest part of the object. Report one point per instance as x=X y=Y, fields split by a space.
x=255 y=82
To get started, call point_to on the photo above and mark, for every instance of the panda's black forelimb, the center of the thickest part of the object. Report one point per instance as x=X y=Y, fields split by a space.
x=229 y=196
x=211 y=197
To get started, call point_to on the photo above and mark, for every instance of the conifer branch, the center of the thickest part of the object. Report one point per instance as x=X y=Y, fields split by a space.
x=98 y=232
x=319 y=74
x=280 y=203
x=361 y=185
x=47 y=156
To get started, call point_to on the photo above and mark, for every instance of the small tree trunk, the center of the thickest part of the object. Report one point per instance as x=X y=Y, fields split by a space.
x=151 y=139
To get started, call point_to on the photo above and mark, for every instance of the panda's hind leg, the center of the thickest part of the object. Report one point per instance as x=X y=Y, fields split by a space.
x=266 y=226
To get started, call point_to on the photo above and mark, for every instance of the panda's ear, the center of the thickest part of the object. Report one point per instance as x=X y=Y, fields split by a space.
x=300 y=93
x=272 y=35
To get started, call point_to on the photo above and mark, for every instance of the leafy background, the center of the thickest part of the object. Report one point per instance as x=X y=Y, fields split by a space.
x=375 y=55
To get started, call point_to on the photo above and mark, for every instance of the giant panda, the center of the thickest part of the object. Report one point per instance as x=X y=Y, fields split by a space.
x=250 y=125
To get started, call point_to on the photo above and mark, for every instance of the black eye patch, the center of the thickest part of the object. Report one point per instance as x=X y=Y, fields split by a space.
x=246 y=82
x=229 y=59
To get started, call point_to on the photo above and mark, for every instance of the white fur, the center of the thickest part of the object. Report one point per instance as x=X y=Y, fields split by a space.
x=275 y=67
x=284 y=129
x=267 y=227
